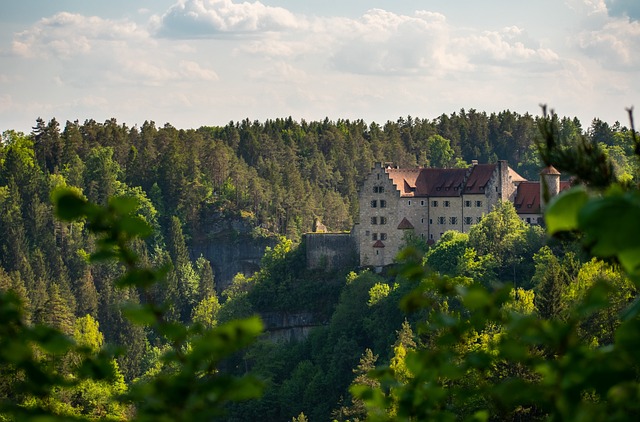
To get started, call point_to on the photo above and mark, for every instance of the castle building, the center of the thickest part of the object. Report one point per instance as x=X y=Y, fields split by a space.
x=431 y=201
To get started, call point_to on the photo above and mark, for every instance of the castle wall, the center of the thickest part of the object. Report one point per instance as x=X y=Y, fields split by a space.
x=474 y=206
x=431 y=216
x=330 y=251
x=377 y=222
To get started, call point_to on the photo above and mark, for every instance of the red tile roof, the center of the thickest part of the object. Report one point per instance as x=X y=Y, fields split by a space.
x=515 y=177
x=405 y=224
x=427 y=181
x=404 y=179
x=422 y=182
x=549 y=170
x=479 y=177
x=527 y=199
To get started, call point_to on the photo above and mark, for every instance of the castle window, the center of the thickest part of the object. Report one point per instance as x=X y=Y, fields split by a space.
x=409 y=202
x=434 y=203
x=374 y=220
x=446 y=203
x=478 y=219
x=528 y=220
x=367 y=233
x=380 y=189
x=540 y=220
x=374 y=236
x=374 y=204
x=383 y=203
x=468 y=220
x=453 y=220
x=496 y=189
x=422 y=220
x=377 y=252
x=430 y=221
x=467 y=203
x=431 y=236
x=383 y=220
x=478 y=203
x=378 y=176
x=441 y=220
x=422 y=203
x=383 y=236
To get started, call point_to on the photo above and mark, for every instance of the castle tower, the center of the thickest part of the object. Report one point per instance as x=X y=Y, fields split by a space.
x=549 y=184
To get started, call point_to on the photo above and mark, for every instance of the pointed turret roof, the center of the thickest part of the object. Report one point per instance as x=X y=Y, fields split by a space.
x=378 y=244
x=549 y=170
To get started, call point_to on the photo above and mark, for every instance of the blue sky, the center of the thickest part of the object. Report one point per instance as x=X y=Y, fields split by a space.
x=206 y=62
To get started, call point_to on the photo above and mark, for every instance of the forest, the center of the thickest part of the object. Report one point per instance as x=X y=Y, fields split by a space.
x=108 y=315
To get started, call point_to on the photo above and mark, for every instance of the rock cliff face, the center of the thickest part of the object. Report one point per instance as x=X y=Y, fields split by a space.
x=284 y=327
x=231 y=248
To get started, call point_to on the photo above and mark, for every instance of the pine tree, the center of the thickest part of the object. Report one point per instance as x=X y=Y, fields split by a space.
x=57 y=312
x=207 y=282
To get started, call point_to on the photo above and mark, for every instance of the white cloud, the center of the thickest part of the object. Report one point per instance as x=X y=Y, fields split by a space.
x=382 y=42
x=66 y=34
x=192 y=70
x=213 y=18
x=6 y=102
x=279 y=72
x=508 y=47
x=614 y=45
x=613 y=41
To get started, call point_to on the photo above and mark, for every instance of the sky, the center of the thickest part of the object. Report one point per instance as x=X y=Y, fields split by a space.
x=195 y=63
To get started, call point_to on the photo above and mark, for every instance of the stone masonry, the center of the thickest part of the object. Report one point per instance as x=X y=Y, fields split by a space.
x=428 y=202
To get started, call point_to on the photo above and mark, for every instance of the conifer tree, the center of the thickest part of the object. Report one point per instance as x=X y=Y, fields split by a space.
x=57 y=313
x=207 y=282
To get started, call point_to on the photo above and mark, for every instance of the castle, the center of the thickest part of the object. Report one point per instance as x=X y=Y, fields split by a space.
x=430 y=201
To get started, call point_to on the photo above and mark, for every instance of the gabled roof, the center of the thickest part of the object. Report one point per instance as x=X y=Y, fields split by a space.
x=405 y=224
x=378 y=244
x=527 y=199
x=515 y=177
x=479 y=177
x=421 y=182
x=442 y=182
x=404 y=179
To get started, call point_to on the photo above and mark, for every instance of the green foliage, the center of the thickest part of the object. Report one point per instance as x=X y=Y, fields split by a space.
x=276 y=177
x=440 y=152
x=486 y=353
x=188 y=386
